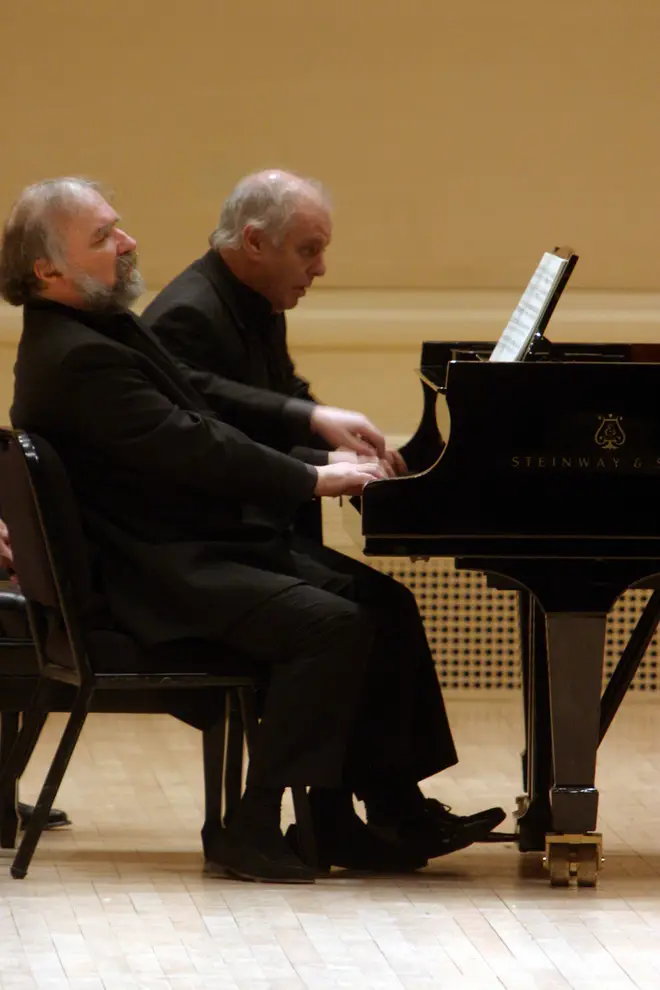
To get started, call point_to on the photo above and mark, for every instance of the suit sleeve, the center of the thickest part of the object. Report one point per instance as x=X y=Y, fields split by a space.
x=316 y=449
x=112 y=406
x=189 y=335
x=271 y=418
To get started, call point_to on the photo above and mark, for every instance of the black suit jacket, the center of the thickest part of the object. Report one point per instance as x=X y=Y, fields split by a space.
x=185 y=501
x=212 y=322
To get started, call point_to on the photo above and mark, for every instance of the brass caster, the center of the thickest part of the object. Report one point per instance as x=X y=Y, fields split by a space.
x=587 y=865
x=558 y=864
x=568 y=856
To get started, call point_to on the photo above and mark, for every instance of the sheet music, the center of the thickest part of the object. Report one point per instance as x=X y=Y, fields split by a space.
x=527 y=314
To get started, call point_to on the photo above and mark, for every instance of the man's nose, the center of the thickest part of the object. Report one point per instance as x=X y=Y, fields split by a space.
x=125 y=243
x=318 y=268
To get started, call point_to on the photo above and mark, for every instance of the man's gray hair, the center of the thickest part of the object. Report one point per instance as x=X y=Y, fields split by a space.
x=268 y=201
x=32 y=232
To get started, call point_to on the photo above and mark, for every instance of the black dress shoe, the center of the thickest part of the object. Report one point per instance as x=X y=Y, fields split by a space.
x=347 y=842
x=490 y=817
x=433 y=831
x=56 y=818
x=262 y=858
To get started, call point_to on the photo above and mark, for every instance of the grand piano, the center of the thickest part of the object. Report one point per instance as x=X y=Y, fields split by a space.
x=549 y=484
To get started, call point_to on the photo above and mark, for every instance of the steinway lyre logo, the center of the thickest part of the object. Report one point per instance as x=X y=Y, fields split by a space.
x=610 y=434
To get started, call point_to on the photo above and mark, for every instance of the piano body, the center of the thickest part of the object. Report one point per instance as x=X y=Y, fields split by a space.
x=549 y=483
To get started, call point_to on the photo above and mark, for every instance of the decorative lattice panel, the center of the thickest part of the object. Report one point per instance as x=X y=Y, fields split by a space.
x=473 y=630
x=620 y=624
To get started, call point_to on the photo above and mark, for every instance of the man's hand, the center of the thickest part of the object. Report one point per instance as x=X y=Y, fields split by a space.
x=343 y=428
x=350 y=457
x=392 y=463
x=346 y=478
x=396 y=462
x=6 y=555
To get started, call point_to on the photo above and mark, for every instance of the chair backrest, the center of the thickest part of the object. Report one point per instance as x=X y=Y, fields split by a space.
x=49 y=547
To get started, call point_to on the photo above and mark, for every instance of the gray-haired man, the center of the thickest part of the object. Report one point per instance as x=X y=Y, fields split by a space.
x=225 y=314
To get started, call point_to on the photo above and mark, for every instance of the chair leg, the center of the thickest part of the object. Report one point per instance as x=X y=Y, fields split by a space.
x=248 y=716
x=23 y=746
x=234 y=758
x=305 y=827
x=35 y=728
x=213 y=745
x=9 y=730
x=51 y=785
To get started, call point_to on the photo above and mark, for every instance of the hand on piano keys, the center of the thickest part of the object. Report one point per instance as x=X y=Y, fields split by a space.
x=347 y=478
x=392 y=463
x=345 y=428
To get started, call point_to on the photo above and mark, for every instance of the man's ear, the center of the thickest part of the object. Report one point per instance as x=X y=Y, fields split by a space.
x=253 y=241
x=45 y=270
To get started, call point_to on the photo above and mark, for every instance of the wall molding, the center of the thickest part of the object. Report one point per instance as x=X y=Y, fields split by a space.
x=351 y=319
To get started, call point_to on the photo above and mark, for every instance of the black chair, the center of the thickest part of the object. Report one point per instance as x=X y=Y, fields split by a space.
x=85 y=664
x=18 y=672
x=223 y=742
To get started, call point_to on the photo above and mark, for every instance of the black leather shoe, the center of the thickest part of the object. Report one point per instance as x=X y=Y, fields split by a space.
x=261 y=858
x=433 y=835
x=56 y=818
x=347 y=842
x=491 y=817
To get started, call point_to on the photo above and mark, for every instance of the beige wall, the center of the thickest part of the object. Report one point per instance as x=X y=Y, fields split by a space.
x=459 y=139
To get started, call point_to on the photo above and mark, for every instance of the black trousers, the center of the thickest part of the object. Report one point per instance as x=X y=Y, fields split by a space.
x=353 y=695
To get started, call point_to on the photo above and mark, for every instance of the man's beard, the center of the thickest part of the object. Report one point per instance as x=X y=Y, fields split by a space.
x=128 y=286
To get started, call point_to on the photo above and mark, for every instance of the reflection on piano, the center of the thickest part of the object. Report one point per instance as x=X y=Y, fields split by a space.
x=549 y=483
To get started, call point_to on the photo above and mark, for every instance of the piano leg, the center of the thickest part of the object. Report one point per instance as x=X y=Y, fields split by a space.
x=576 y=645
x=535 y=814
